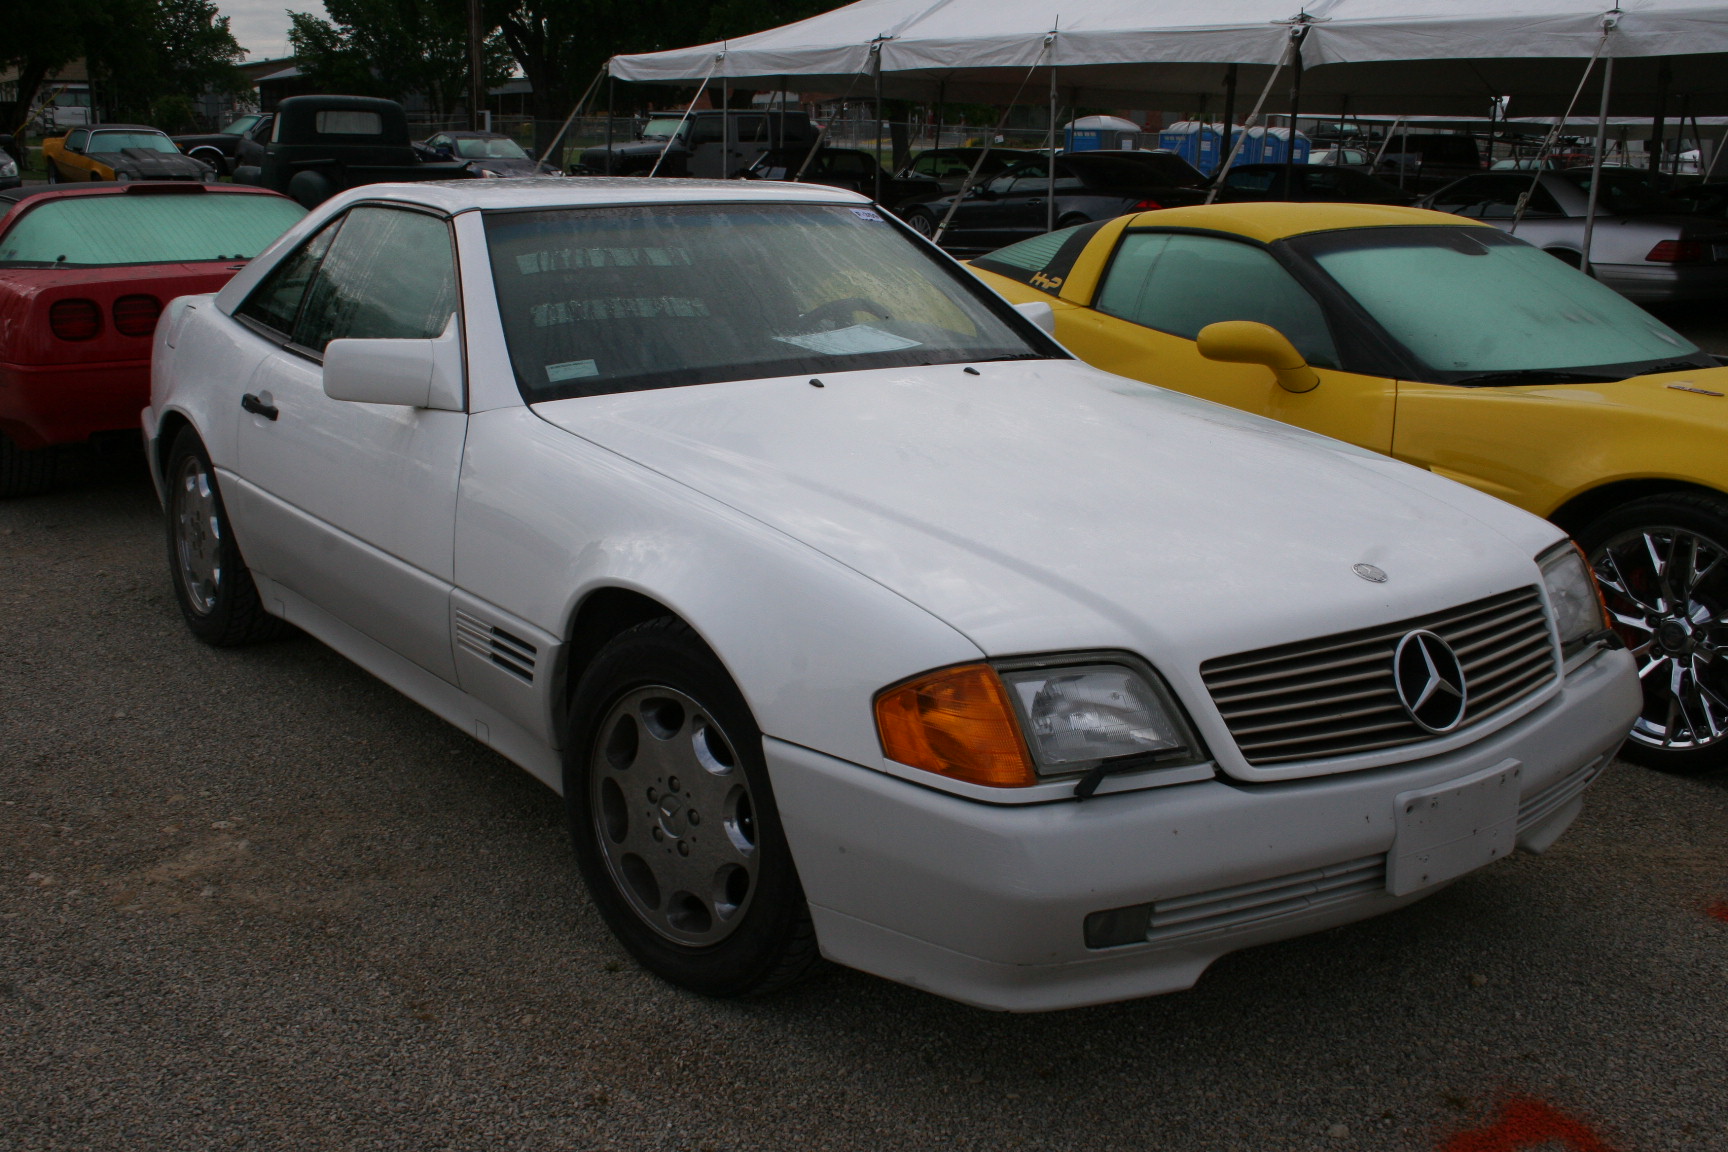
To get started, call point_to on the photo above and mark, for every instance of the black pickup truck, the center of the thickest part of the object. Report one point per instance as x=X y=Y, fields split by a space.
x=320 y=145
x=713 y=144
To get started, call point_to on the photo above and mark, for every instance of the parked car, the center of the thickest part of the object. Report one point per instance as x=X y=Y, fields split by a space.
x=1461 y=350
x=221 y=150
x=950 y=166
x=84 y=271
x=1089 y=186
x=882 y=628
x=1420 y=162
x=848 y=168
x=9 y=175
x=716 y=144
x=320 y=145
x=118 y=152
x=1304 y=183
x=1343 y=156
x=1641 y=247
x=492 y=155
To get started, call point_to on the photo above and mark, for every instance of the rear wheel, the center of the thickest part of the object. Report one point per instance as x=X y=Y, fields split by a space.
x=216 y=593
x=923 y=222
x=1663 y=566
x=25 y=472
x=673 y=820
x=54 y=176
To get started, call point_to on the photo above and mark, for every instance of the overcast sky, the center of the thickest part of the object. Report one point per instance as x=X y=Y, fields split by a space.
x=261 y=26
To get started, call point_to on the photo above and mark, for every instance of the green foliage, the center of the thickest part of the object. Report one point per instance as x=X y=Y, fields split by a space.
x=141 y=51
x=174 y=114
x=393 y=49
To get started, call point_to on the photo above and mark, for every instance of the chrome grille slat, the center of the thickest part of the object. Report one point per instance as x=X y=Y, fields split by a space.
x=1335 y=695
x=1245 y=904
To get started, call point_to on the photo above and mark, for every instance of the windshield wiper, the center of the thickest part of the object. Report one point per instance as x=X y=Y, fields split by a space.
x=1015 y=356
x=1537 y=376
x=1672 y=366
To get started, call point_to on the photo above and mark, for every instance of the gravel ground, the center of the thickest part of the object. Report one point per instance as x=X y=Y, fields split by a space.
x=255 y=899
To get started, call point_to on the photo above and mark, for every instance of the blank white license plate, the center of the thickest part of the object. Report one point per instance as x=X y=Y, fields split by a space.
x=1454 y=828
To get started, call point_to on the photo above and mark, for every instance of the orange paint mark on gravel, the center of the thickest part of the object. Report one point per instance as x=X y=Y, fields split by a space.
x=1528 y=1124
x=1718 y=909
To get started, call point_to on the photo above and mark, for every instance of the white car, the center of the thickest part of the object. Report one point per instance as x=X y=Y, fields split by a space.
x=849 y=613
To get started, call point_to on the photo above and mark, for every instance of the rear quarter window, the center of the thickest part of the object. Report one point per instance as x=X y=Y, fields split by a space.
x=338 y=122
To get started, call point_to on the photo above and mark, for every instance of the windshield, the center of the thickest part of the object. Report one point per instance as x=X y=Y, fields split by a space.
x=149 y=229
x=114 y=141
x=500 y=149
x=241 y=126
x=603 y=300
x=1468 y=301
x=661 y=129
x=1624 y=193
x=1132 y=172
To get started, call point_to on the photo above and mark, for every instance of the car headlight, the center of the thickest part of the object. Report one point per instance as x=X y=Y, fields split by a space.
x=1575 y=599
x=8 y=168
x=1027 y=721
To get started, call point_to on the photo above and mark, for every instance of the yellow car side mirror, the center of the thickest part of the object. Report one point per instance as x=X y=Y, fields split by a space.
x=1248 y=342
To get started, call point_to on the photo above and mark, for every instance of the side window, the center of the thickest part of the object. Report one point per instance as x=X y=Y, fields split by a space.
x=389 y=274
x=1005 y=183
x=926 y=166
x=275 y=303
x=1179 y=283
x=75 y=141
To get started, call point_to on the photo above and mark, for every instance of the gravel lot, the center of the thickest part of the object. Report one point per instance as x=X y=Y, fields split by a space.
x=255 y=899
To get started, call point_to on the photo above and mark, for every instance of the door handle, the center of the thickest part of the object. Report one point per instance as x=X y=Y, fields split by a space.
x=258 y=408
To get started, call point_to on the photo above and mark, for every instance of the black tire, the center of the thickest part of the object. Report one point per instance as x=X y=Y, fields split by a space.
x=923 y=222
x=1663 y=566
x=1072 y=219
x=654 y=696
x=54 y=176
x=25 y=471
x=211 y=582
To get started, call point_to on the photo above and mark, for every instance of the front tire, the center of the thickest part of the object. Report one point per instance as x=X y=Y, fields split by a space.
x=673 y=819
x=1663 y=566
x=215 y=590
x=923 y=223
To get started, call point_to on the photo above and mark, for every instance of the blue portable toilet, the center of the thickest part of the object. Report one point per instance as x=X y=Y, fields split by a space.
x=1090 y=133
x=1201 y=144
x=1272 y=146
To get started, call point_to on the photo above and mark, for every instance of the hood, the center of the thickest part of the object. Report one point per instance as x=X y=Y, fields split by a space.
x=1045 y=505
x=144 y=164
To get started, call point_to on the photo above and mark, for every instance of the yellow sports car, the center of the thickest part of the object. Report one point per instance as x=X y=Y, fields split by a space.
x=1456 y=348
x=120 y=152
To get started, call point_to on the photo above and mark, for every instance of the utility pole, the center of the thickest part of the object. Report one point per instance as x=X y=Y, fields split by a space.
x=476 y=70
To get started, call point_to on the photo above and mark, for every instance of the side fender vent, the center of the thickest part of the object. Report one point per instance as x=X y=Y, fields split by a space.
x=490 y=642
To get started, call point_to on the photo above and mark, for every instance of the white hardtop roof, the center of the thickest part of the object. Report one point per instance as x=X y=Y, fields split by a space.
x=590 y=191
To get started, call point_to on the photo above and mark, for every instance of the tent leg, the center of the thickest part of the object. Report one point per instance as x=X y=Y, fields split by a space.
x=1229 y=115
x=1050 y=186
x=1295 y=108
x=611 y=106
x=1660 y=124
x=1596 y=160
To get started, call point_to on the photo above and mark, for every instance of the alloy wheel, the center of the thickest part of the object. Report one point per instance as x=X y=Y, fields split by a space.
x=1667 y=592
x=197 y=535
x=674 y=816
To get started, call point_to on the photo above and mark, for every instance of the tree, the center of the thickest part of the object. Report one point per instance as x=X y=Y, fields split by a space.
x=143 y=52
x=38 y=40
x=393 y=49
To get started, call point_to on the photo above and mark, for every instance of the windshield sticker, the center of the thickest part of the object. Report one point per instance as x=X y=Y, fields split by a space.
x=866 y=214
x=529 y=263
x=571 y=370
x=853 y=341
x=616 y=308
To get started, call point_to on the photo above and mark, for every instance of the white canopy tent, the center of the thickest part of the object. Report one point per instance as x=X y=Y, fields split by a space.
x=1418 y=56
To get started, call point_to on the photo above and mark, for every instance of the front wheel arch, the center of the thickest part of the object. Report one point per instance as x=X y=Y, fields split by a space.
x=1585 y=508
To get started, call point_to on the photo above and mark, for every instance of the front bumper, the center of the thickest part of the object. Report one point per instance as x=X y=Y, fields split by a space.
x=986 y=903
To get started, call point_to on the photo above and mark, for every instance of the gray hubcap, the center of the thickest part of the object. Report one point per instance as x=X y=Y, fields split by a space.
x=674 y=816
x=197 y=535
x=1667 y=590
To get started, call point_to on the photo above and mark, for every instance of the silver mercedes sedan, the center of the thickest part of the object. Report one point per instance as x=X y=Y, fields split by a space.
x=1643 y=247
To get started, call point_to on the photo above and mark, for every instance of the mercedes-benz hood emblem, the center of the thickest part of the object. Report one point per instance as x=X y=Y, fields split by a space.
x=1430 y=681
x=1369 y=573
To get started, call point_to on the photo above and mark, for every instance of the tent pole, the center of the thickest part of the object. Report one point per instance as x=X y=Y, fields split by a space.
x=876 y=195
x=1596 y=160
x=1229 y=116
x=1660 y=124
x=1296 y=38
x=725 y=128
x=941 y=101
x=1716 y=155
x=978 y=164
x=611 y=107
x=565 y=127
x=1253 y=118
x=1050 y=168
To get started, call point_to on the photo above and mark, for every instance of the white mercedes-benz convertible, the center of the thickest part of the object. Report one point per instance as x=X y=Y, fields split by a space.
x=850 y=614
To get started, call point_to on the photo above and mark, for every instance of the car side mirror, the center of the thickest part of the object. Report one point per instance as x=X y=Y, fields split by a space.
x=1248 y=342
x=1040 y=313
x=980 y=192
x=412 y=373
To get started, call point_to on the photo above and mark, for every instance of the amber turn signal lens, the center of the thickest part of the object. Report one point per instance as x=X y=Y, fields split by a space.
x=1608 y=620
x=958 y=723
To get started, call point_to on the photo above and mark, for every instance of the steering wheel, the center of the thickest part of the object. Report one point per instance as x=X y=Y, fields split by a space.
x=837 y=311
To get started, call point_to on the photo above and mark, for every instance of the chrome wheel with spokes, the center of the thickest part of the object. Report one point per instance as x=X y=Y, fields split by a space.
x=1665 y=581
x=197 y=534
x=674 y=816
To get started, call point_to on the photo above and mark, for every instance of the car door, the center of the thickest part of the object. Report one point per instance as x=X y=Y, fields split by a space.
x=1161 y=288
x=72 y=163
x=352 y=506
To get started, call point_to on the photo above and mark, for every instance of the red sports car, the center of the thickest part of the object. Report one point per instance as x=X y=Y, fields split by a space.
x=84 y=272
